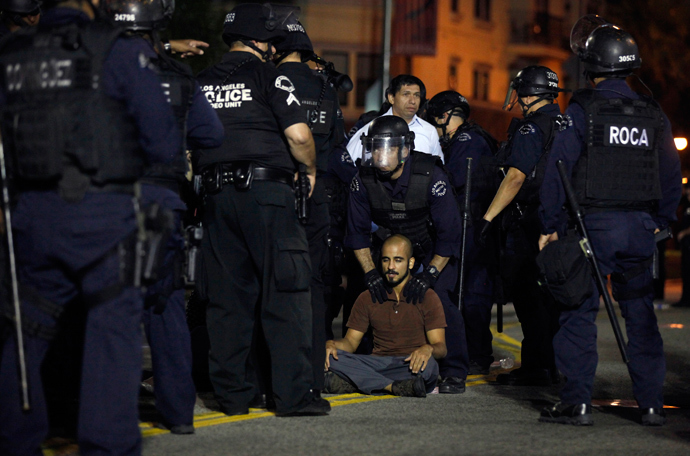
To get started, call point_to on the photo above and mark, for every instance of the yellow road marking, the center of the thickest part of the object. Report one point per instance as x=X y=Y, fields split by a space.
x=215 y=418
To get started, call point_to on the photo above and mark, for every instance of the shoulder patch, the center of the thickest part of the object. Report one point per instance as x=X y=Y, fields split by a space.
x=527 y=129
x=284 y=83
x=354 y=185
x=464 y=137
x=346 y=158
x=439 y=188
x=563 y=122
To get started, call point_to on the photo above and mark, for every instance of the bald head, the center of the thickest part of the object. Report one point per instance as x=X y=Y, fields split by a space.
x=399 y=239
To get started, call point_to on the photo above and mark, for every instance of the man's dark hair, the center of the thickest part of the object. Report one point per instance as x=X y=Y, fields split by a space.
x=401 y=80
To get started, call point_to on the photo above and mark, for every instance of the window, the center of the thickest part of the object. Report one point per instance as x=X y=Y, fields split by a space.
x=368 y=71
x=481 y=84
x=482 y=10
x=453 y=73
x=341 y=62
x=455 y=6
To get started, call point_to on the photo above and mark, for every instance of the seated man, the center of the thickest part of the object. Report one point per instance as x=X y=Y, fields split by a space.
x=408 y=338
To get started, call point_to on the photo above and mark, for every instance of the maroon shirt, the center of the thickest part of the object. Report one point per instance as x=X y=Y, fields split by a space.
x=399 y=326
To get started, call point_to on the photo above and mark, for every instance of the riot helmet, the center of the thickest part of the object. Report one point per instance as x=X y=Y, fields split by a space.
x=387 y=145
x=16 y=10
x=610 y=51
x=296 y=40
x=448 y=101
x=534 y=80
x=139 y=15
x=249 y=22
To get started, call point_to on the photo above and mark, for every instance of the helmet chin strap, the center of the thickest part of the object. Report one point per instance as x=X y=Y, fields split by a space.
x=387 y=175
x=526 y=107
x=267 y=55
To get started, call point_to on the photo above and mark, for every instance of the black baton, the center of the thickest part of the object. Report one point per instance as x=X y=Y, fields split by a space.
x=465 y=222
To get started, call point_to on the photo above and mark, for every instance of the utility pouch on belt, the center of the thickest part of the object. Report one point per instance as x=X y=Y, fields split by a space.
x=565 y=271
x=193 y=236
x=242 y=175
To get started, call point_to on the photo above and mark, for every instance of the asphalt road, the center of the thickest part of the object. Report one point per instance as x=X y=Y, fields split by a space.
x=487 y=419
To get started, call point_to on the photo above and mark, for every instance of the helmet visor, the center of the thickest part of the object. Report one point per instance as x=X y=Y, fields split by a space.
x=581 y=31
x=511 y=98
x=384 y=153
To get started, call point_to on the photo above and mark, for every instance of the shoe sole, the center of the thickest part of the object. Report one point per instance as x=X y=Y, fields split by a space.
x=576 y=421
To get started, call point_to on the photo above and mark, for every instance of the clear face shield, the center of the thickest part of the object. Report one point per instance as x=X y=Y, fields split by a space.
x=581 y=31
x=511 y=97
x=385 y=154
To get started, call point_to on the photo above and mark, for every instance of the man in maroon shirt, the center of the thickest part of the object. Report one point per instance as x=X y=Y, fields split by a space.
x=408 y=338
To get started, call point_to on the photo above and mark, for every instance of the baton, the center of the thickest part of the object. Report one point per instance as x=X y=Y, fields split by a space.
x=465 y=222
x=589 y=253
x=15 y=285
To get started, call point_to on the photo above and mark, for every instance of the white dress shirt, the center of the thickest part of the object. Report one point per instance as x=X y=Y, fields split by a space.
x=425 y=138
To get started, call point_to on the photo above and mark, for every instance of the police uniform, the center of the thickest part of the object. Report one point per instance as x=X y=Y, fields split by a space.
x=469 y=142
x=165 y=319
x=67 y=234
x=537 y=313
x=255 y=251
x=405 y=206
x=625 y=194
x=320 y=101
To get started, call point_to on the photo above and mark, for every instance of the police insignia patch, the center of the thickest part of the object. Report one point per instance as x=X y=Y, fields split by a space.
x=439 y=189
x=464 y=137
x=354 y=185
x=284 y=83
x=346 y=158
x=143 y=60
x=527 y=129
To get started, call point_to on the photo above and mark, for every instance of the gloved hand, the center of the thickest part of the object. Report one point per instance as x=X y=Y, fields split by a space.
x=418 y=284
x=482 y=231
x=377 y=287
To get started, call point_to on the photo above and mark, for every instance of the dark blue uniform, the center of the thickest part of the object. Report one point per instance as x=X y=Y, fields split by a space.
x=622 y=240
x=165 y=319
x=320 y=101
x=255 y=250
x=537 y=315
x=69 y=250
x=477 y=298
x=444 y=214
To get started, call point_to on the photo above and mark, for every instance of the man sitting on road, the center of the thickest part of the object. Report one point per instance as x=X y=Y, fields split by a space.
x=408 y=338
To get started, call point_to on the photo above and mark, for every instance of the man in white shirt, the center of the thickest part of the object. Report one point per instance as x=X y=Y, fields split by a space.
x=405 y=94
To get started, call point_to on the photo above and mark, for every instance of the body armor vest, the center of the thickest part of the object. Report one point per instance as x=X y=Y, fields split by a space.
x=58 y=121
x=619 y=167
x=177 y=82
x=411 y=216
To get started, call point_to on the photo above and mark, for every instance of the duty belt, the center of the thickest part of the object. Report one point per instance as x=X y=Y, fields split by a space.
x=241 y=174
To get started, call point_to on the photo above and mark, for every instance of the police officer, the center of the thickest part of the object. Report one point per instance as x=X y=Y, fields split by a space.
x=15 y=14
x=626 y=176
x=461 y=139
x=163 y=184
x=256 y=253
x=404 y=192
x=73 y=211
x=320 y=103
x=530 y=139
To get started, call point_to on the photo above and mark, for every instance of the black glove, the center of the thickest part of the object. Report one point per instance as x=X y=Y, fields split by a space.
x=482 y=231
x=377 y=287
x=418 y=284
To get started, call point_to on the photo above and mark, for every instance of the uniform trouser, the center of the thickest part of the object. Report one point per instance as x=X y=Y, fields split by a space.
x=166 y=325
x=65 y=250
x=456 y=361
x=685 y=269
x=256 y=254
x=317 y=235
x=477 y=303
x=621 y=240
x=371 y=373
x=537 y=313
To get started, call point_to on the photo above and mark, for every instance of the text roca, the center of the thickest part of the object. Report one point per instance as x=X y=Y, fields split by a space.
x=627 y=136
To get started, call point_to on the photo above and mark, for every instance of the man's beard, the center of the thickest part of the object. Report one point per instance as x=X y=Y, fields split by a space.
x=394 y=282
